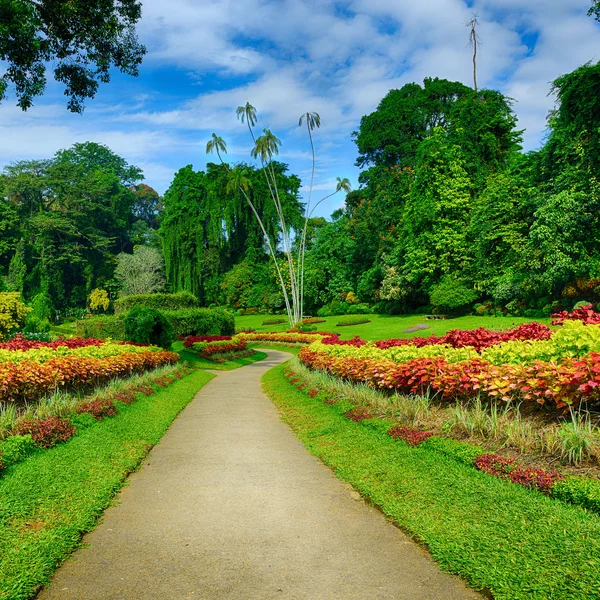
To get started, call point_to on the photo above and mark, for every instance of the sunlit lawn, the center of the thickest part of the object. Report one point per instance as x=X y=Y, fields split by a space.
x=384 y=326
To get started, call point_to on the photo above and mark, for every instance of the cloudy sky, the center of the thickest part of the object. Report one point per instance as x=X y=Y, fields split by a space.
x=287 y=57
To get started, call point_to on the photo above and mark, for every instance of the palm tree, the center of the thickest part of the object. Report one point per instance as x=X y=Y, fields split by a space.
x=216 y=143
x=247 y=113
x=343 y=185
x=265 y=147
x=312 y=120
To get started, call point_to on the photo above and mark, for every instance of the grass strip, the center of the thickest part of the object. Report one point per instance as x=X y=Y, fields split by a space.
x=509 y=541
x=51 y=499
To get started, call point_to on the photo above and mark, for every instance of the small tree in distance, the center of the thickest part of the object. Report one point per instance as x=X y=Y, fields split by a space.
x=141 y=272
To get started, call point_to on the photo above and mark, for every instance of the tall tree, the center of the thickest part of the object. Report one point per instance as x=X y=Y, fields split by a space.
x=82 y=39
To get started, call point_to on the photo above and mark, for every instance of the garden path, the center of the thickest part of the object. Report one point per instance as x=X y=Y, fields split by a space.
x=229 y=505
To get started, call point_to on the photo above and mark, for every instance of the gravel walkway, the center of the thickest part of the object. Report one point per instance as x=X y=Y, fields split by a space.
x=229 y=505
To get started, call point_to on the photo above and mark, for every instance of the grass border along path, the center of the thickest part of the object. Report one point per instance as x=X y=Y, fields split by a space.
x=50 y=500
x=508 y=541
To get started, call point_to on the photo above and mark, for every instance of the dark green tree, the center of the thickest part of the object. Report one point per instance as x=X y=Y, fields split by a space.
x=82 y=39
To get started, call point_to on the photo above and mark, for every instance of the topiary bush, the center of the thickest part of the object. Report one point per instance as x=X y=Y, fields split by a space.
x=452 y=295
x=164 y=302
x=102 y=327
x=149 y=326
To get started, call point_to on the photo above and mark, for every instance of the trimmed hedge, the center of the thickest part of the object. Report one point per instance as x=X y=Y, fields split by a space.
x=162 y=302
x=191 y=321
x=201 y=321
x=102 y=328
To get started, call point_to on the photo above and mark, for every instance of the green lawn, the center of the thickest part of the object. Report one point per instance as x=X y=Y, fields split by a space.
x=515 y=543
x=48 y=501
x=383 y=327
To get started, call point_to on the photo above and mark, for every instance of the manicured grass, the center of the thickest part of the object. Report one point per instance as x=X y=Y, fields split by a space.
x=51 y=499
x=502 y=538
x=202 y=363
x=383 y=327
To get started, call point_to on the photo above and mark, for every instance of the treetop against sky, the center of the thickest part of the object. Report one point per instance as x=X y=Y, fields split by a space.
x=288 y=57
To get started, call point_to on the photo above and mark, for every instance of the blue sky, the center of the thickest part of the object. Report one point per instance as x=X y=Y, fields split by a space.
x=289 y=57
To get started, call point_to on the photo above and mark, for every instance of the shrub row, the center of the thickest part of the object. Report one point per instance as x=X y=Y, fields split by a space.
x=194 y=339
x=192 y=321
x=30 y=380
x=162 y=302
x=281 y=338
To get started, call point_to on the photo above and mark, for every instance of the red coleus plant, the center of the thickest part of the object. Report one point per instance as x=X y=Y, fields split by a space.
x=586 y=314
x=20 y=343
x=312 y=393
x=478 y=339
x=506 y=468
x=99 y=408
x=358 y=414
x=46 y=432
x=413 y=437
x=565 y=384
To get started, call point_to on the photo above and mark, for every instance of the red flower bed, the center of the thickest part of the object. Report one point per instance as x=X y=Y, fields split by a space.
x=506 y=468
x=584 y=313
x=99 y=408
x=334 y=340
x=29 y=380
x=211 y=349
x=493 y=464
x=477 y=338
x=20 y=343
x=567 y=383
x=48 y=432
x=193 y=339
x=312 y=393
x=413 y=437
x=358 y=414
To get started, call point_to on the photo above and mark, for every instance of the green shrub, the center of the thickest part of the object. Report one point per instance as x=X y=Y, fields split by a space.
x=16 y=448
x=460 y=451
x=42 y=306
x=36 y=329
x=582 y=491
x=12 y=313
x=149 y=326
x=274 y=321
x=201 y=321
x=102 y=327
x=452 y=294
x=163 y=302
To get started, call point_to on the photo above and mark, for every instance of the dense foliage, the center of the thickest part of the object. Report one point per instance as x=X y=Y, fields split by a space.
x=208 y=231
x=64 y=220
x=81 y=39
x=450 y=211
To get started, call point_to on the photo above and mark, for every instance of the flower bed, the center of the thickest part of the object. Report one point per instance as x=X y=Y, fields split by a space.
x=29 y=380
x=43 y=353
x=568 y=383
x=198 y=339
x=210 y=350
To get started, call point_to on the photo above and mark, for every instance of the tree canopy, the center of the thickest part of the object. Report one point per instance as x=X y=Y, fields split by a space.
x=82 y=39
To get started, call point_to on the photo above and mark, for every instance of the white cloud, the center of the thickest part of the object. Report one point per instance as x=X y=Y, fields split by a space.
x=288 y=57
